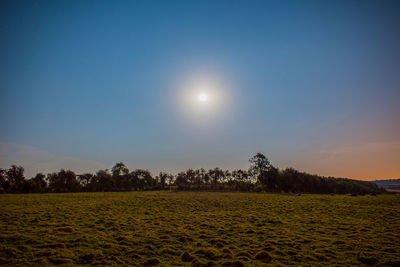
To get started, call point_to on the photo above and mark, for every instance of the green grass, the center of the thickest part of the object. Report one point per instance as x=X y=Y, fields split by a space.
x=199 y=228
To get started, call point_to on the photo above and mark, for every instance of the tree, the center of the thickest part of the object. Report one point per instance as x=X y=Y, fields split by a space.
x=164 y=178
x=216 y=176
x=272 y=180
x=85 y=180
x=3 y=181
x=103 y=181
x=63 y=181
x=143 y=179
x=260 y=176
x=170 y=179
x=198 y=178
x=263 y=172
x=259 y=164
x=240 y=175
x=241 y=180
x=191 y=177
x=206 y=178
x=181 y=181
x=120 y=177
x=15 y=177
x=38 y=183
x=119 y=169
x=289 y=178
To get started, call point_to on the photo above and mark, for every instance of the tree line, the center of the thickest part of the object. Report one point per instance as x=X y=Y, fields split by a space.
x=261 y=176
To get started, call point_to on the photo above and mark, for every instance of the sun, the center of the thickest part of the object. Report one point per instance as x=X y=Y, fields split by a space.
x=203 y=97
x=202 y=100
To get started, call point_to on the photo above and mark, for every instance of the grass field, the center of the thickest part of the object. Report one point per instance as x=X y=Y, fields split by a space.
x=199 y=229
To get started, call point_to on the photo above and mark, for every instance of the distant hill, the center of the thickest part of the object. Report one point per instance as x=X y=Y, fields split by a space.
x=390 y=184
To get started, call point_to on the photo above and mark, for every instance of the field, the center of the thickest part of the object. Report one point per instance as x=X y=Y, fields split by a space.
x=199 y=229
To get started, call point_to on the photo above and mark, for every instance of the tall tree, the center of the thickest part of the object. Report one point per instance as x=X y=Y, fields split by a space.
x=259 y=164
x=181 y=181
x=143 y=179
x=119 y=169
x=103 y=180
x=15 y=177
x=164 y=178
x=120 y=177
x=263 y=172
x=216 y=176
x=38 y=183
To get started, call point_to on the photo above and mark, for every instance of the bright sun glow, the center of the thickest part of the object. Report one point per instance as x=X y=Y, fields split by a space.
x=203 y=100
x=203 y=97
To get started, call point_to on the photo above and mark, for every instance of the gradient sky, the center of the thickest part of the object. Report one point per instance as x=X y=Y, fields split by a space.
x=311 y=84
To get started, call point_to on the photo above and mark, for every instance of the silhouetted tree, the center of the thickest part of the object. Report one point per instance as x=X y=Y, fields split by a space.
x=240 y=175
x=143 y=179
x=63 y=181
x=181 y=181
x=206 y=179
x=38 y=183
x=241 y=180
x=216 y=176
x=121 y=178
x=263 y=172
x=259 y=165
x=102 y=181
x=170 y=179
x=191 y=177
x=198 y=178
x=164 y=178
x=261 y=176
x=15 y=177
x=85 y=180
x=3 y=181
x=119 y=169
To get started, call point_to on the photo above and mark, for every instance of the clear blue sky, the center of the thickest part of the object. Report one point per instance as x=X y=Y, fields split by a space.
x=311 y=84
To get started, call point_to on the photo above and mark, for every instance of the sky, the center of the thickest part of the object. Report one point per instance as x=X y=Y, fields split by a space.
x=313 y=85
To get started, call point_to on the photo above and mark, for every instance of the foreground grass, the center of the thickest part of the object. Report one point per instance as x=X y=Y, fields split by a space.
x=190 y=228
